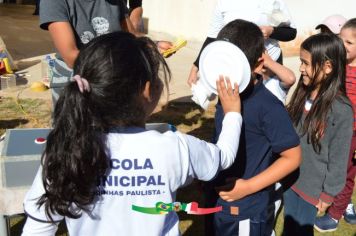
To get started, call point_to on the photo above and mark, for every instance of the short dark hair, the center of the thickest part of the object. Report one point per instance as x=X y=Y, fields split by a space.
x=247 y=36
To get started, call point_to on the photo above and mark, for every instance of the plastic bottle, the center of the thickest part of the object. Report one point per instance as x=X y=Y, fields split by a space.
x=47 y=66
x=50 y=66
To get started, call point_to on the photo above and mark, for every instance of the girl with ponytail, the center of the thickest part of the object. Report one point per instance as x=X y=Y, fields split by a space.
x=99 y=159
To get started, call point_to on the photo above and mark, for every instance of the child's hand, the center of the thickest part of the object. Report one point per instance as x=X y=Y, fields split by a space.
x=267 y=59
x=193 y=76
x=164 y=45
x=229 y=98
x=237 y=189
x=322 y=206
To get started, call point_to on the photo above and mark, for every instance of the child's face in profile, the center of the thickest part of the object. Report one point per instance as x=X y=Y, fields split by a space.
x=348 y=36
x=308 y=72
x=305 y=67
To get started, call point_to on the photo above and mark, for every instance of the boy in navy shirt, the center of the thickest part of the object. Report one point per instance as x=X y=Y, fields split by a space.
x=267 y=131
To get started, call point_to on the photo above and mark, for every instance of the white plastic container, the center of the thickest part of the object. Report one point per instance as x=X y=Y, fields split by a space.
x=8 y=81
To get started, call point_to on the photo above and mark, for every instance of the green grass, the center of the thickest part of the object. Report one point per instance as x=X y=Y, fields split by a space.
x=187 y=118
x=24 y=113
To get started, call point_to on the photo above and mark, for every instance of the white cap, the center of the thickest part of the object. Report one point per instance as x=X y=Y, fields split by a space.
x=334 y=23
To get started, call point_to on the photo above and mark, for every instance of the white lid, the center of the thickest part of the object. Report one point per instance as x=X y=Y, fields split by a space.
x=223 y=58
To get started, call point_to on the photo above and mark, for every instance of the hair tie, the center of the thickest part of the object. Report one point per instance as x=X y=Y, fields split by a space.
x=82 y=83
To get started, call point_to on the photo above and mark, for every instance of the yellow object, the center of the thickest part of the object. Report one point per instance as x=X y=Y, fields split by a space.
x=176 y=46
x=7 y=66
x=38 y=86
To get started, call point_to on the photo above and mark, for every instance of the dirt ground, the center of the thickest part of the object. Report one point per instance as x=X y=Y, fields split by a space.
x=22 y=37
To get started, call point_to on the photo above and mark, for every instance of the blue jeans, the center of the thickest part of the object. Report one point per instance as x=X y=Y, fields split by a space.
x=299 y=215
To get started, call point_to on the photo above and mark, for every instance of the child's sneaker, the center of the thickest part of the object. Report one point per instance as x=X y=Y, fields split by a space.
x=325 y=223
x=350 y=214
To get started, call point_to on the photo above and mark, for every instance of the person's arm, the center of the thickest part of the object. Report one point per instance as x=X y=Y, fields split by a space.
x=283 y=33
x=288 y=161
x=64 y=40
x=206 y=159
x=37 y=222
x=54 y=17
x=125 y=22
x=284 y=74
x=33 y=228
x=229 y=139
x=280 y=33
x=136 y=12
x=216 y=24
x=126 y=25
x=193 y=75
x=207 y=41
x=136 y=17
x=279 y=131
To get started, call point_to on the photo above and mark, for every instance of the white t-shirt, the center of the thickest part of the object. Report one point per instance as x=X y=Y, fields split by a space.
x=147 y=167
x=275 y=86
x=256 y=11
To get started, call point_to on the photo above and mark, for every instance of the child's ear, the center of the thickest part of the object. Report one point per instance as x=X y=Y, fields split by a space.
x=327 y=67
x=259 y=66
x=146 y=92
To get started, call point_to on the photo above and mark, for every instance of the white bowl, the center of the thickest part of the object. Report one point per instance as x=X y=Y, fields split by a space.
x=223 y=58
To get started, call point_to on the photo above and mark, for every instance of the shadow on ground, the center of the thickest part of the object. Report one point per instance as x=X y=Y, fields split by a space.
x=22 y=65
x=13 y=123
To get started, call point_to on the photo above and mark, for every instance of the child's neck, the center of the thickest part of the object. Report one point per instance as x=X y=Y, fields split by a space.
x=314 y=94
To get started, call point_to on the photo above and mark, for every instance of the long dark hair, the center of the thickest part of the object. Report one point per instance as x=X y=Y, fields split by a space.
x=322 y=47
x=117 y=67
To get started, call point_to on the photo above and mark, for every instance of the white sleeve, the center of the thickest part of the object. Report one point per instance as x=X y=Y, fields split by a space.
x=217 y=21
x=33 y=227
x=275 y=86
x=37 y=222
x=229 y=138
x=206 y=159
